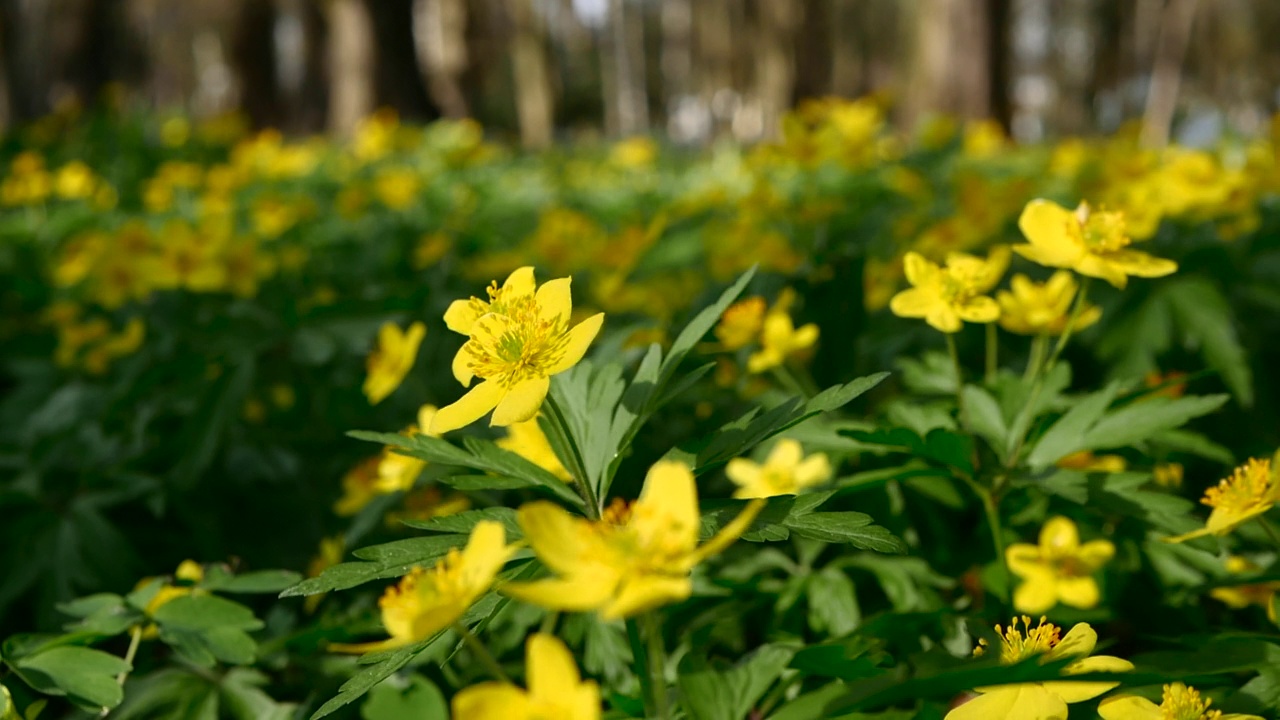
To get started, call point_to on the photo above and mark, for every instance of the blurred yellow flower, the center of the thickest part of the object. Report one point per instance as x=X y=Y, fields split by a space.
x=1179 y=702
x=1168 y=475
x=946 y=297
x=397 y=472
x=637 y=557
x=431 y=248
x=359 y=487
x=555 y=689
x=786 y=471
x=1058 y=570
x=1262 y=594
x=392 y=359
x=780 y=339
x=528 y=441
x=741 y=323
x=1250 y=491
x=428 y=503
x=1043 y=308
x=327 y=555
x=1087 y=461
x=397 y=188
x=1041 y=700
x=635 y=153
x=429 y=600
x=514 y=348
x=1091 y=243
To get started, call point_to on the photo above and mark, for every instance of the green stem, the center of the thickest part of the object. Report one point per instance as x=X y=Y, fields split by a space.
x=1065 y=337
x=993 y=353
x=955 y=363
x=1271 y=532
x=579 y=469
x=991 y=508
x=1038 y=348
x=640 y=665
x=135 y=639
x=482 y=653
x=657 y=665
x=548 y=626
x=783 y=375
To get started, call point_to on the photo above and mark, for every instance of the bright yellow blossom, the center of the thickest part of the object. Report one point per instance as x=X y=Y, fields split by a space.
x=1042 y=308
x=429 y=600
x=1058 y=570
x=741 y=323
x=1087 y=461
x=521 y=340
x=780 y=338
x=1240 y=596
x=785 y=472
x=1168 y=475
x=462 y=315
x=636 y=558
x=555 y=690
x=946 y=297
x=527 y=440
x=397 y=472
x=1091 y=243
x=392 y=359
x=1250 y=491
x=1178 y=703
x=1041 y=700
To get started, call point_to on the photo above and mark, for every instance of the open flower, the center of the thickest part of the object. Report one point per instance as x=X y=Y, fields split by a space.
x=1179 y=703
x=521 y=340
x=785 y=472
x=1043 y=308
x=555 y=689
x=527 y=440
x=428 y=600
x=463 y=314
x=1059 y=569
x=741 y=323
x=1249 y=492
x=1091 y=243
x=779 y=337
x=1041 y=700
x=947 y=297
x=1240 y=596
x=635 y=558
x=392 y=359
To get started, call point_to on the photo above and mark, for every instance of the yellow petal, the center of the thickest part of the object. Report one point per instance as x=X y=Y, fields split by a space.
x=470 y=407
x=521 y=402
x=1012 y=702
x=1060 y=535
x=943 y=318
x=643 y=592
x=1048 y=257
x=804 y=337
x=1079 y=641
x=981 y=309
x=1096 y=553
x=550 y=669
x=1024 y=559
x=1078 y=592
x=666 y=515
x=576 y=594
x=580 y=338
x=1047 y=224
x=1036 y=594
x=462 y=367
x=1074 y=692
x=554 y=300
x=460 y=316
x=1134 y=262
x=743 y=472
x=519 y=282
x=787 y=454
x=426 y=414
x=490 y=700
x=486 y=552
x=914 y=302
x=1099 y=267
x=1129 y=707
x=814 y=470
x=563 y=542
x=918 y=270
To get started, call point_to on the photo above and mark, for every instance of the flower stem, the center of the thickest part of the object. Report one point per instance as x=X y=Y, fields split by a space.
x=993 y=353
x=657 y=667
x=1036 y=359
x=1074 y=318
x=640 y=666
x=955 y=363
x=1271 y=532
x=135 y=638
x=579 y=469
x=991 y=508
x=482 y=653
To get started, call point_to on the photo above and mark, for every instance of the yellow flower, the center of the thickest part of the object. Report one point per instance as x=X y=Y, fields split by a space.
x=785 y=472
x=397 y=188
x=397 y=472
x=780 y=338
x=1179 y=703
x=358 y=487
x=555 y=690
x=1240 y=596
x=429 y=600
x=946 y=296
x=392 y=359
x=1059 y=569
x=1087 y=461
x=184 y=582
x=1249 y=492
x=637 y=557
x=1041 y=700
x=521 y=339
x=1042 y=308
x=741 y=323
x=1091 y=243
x=528 y=441
x=1168 y=474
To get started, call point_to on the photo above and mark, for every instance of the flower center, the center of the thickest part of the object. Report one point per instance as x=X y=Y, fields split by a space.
x=1102 y=231
x=1248 y=487
x=1018 y=644
x=527 y=346
x=1184 y=703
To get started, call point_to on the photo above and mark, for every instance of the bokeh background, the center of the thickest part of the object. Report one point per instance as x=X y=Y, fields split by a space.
x=692 y=69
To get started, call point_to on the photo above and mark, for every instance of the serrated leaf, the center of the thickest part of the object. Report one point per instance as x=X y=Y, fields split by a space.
x=851 y=528
x=465 y=521
x=731 y=694
x=390 y=560
x=1205 y=318
x=260 y=581
x=363 y=681
x=699 y=326
x=1142 y=419
x=472 y=483
x=1066 y=436
x=986 y=418
x=833 y=603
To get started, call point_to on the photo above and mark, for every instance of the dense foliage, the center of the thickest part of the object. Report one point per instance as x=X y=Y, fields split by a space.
x=781 y=448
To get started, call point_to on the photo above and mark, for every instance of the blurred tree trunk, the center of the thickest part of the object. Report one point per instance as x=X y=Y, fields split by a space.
x=254 y=56
x=677 y=53
x=775 y=61
x=623 y=67
x=1074 y=65
x=813 y=47
x=1166 y=74
x=24 y=36
x=999 y=16
x=440 y=31
x=351 y=61
x=398 y=81
x=846 y=48
x=531 y=75
x=948 y=70
x=713 y=48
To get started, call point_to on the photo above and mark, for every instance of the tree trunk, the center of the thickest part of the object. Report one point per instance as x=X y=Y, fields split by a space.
x=626 y=109
x=531 y=75
x=440 y=28
x=1171 y=50
x=949 y=60
x=351 y=59
x=775 y=62
x=24 y=37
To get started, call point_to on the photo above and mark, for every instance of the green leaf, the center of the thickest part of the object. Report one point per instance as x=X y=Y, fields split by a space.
x=833 y=603
x=699 y=326
x=417 y=698
x=87 y=677
x=1193 y=443
x=1066 y=436
x=986 y=418
x=463 y=523
x=261 y=581
x=1206 y=320
x=731 y=694
x=363 y=681
x=1140 y=420
x=243 y=698
x=206 y=627
x=849 y=659
x=941 y=446
x=850 y=528
x=472 y=483
x=384 y=561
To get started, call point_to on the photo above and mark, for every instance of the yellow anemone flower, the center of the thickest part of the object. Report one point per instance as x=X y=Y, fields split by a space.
x=636 y=558
x=427 y=601
x=1059 y=569
x=785 y=472
x=527 y=440
x=741 y=323
x=1041 y=700
x=946 y=297
x=1240 y=596
x=555 y=689
x=397 y=472
x=359 y=487
x=1043 y=308
x=463 y=314
x=392 y=359
x=779 y=337
x=1249 y=492
x=1091 y=243
x=1179 y=703
x=515 y=348
x=1087 y=461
